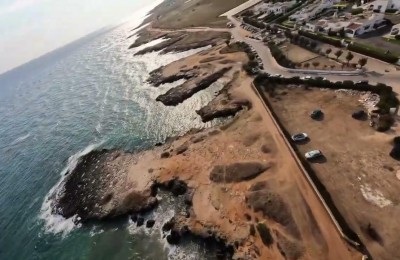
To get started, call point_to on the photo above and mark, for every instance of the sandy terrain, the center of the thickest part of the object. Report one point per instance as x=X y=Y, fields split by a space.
x=358 y=171
x=192 y=13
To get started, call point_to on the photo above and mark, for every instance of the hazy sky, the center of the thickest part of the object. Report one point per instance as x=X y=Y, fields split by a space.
x=30 y=28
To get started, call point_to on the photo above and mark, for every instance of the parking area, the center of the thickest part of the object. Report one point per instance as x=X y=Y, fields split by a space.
x=356 y=168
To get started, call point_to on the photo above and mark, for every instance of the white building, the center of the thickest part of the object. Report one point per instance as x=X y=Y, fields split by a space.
x=362 y=24
x=352 y=25
x=311 y=11
x=381 y=5
x=269 y=8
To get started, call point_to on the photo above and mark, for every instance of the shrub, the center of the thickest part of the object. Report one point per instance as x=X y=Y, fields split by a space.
x=321 y=38
x=280 y=57
x=396 y=140
x=356 y=11
x=390 y=11
x=379 y=54
x=265 y=234
x=385 y=122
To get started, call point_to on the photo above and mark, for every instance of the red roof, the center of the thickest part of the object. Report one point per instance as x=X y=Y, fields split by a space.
x=354 y=26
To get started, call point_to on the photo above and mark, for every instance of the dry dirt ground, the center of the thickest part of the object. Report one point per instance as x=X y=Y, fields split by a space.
x=300 y=55
x=358 y=171
x=179 y=14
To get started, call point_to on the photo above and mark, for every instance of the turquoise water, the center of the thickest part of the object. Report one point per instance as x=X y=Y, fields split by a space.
x=91 y=94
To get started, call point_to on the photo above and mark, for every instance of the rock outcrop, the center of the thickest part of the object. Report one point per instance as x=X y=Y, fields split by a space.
x=156 y=77
x=182 y=92
x=96 y=189
x=237 y=172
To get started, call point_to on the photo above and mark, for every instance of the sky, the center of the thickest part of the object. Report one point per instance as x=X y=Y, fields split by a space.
x=31 y=28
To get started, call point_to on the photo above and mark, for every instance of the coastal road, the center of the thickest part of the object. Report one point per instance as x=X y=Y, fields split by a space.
x=391 y=78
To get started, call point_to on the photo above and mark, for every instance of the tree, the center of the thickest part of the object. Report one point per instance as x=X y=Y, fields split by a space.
x=328 y=51
x=306 y=65
x=332 y=67
x=362 y=62
x=313 y=45
x=349 y=57
x=315 y=64
x=227 y=42
x=338 y=53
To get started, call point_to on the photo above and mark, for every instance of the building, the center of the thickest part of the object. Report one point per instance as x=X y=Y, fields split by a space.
x=265 y=9
x=380 y=6
x=311 y=11
x=364 y=23
x=352 y=25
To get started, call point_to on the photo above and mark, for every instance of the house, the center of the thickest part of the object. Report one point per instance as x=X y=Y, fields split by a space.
x=380 y=6
x=352 y=25
x=364 y=23
x=266 y=9
x=311 y=11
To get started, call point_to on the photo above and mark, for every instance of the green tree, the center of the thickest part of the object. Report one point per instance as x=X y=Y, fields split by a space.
x=328 y=51
x=362 y=62
x=338 y=53
x=306 y=65
x=349 y=57
x=315 y=64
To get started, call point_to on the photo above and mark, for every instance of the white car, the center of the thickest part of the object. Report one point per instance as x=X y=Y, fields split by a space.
x=313 y=154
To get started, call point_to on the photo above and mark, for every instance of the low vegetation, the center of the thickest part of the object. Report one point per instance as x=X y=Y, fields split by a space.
x=280 y=58
x=321 y=38
x=374 y=52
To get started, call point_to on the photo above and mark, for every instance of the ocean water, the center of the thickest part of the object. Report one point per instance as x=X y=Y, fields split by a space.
x=89 y=95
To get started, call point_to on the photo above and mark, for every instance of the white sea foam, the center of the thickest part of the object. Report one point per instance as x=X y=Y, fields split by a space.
x=20 y=139
x=55 y=223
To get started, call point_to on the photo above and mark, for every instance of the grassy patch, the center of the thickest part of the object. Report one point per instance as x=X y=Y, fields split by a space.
x=374 y=52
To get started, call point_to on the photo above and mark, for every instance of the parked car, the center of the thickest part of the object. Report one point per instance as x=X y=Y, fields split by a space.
x=313 y=154
x=316 y=114
x=299 y=137
x=362 y=82
x=360 y=114
x=306 y=77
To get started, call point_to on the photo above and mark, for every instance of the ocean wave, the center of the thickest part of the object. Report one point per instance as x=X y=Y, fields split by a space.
x=55 y=223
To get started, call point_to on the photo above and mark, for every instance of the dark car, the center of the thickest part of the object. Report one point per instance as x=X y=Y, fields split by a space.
x=360 y=114
x=316 y=114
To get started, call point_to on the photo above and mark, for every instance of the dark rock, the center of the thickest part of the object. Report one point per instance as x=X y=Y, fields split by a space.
x=87 y=189
x=185 y=230
x=134 y=218
x=168 y=225
x=177 y=187
x=188 y=199
x=150 y=223
x=247 y=216
x=140 y=221
x=165 y=155
x=174 y=238
x=159 y=144
x=156 y=78
x=182 y=92
x=237 y=172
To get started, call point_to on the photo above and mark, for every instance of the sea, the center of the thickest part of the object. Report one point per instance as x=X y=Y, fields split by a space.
x=91 y=94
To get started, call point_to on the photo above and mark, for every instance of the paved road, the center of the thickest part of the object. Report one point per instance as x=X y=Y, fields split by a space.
x=270 y=66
